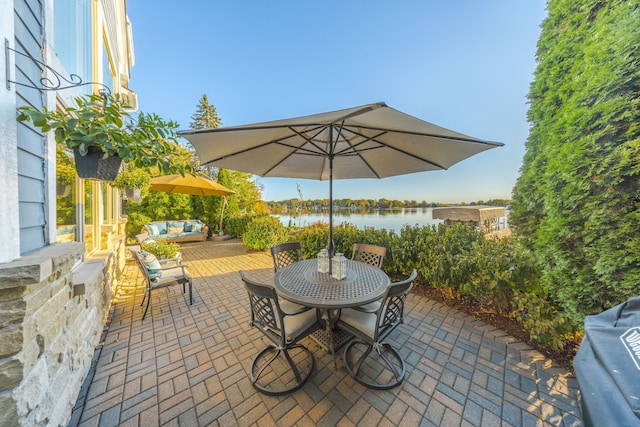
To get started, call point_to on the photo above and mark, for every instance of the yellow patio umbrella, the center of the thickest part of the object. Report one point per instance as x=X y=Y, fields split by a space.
x=196 y=185
x=189 y=184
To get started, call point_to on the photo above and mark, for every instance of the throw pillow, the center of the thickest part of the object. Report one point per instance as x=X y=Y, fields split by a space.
x=187 y=226
x=162 y=227
x=152 y=229
x=152 y=264
x=174 y=230
x=197 y=227
x=176 y=224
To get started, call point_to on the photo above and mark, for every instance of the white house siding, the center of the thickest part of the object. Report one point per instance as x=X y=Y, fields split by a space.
x=54 y=298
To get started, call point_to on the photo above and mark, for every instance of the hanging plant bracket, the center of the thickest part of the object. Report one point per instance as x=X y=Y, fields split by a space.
x=56 y=80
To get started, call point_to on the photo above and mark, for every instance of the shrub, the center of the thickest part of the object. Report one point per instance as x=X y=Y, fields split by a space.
x=237 y=226
x=264 y=232
x=135 y=222
x=161 y=249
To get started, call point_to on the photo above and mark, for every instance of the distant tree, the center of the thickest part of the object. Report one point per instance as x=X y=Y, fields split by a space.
x=206 y=115
x=577 y=199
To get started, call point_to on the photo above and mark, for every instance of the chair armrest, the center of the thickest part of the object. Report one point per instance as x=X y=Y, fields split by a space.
x=302 y=309
x=183 y=267
x=371 y=307
x=175 y=261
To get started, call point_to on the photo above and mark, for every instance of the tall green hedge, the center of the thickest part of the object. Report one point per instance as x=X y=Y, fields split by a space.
x=577 y=200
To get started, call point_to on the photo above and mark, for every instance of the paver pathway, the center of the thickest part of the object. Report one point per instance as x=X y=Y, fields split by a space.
x=188 y=365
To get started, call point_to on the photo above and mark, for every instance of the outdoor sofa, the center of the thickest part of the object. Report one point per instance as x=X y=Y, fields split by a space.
x=191 y=230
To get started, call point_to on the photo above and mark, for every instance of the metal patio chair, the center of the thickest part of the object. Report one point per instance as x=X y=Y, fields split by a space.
x=285 y=365
x=368 y=358
x=158 y=278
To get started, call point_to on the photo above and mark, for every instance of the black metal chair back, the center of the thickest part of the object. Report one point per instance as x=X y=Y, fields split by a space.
x=265 y=311
x=285 y=254
x=391 y=312
x=369 y=254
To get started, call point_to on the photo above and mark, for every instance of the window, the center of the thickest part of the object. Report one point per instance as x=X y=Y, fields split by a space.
x=72 y=38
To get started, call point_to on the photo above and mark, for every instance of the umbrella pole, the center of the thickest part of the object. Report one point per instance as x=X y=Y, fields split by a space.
x=224 y=203
x=330 y=244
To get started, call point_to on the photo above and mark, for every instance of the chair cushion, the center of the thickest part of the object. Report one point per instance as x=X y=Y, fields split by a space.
x=295 y=325
x=364 y=322
x=288 y=306
x=152 y=264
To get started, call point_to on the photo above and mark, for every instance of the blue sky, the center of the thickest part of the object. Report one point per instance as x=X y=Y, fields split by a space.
x=461 y=64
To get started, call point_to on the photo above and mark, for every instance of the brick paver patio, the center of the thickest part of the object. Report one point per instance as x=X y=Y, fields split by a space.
x=188 y=365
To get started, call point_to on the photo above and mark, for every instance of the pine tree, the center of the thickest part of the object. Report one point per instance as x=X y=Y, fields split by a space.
x=206 y=116
x=248 y=192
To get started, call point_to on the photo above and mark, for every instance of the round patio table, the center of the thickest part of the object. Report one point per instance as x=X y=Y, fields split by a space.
x=301 y=283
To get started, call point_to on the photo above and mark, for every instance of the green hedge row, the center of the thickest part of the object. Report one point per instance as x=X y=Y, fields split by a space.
x=500 y=274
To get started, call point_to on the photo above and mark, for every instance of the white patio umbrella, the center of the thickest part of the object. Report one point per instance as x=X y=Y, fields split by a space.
x=370 y=141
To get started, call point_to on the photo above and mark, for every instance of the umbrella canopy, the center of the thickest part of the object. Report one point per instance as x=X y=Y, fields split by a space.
x=189 y=184
x=370 y=141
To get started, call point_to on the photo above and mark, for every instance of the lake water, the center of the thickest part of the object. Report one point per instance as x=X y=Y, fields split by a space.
x=376 y=218
x=390 y=219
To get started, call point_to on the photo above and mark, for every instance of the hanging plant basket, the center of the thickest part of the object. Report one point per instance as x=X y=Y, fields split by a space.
x=134 y=195
x=93 y=166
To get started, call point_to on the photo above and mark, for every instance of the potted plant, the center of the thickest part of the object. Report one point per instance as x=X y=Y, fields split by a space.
x=101 y=129
x=133 y=182
x=162 y=250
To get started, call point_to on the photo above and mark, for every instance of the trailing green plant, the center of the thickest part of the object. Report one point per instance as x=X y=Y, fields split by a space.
x=264 y=232
x=161 y=249
x=105 y=123
x=132 y=178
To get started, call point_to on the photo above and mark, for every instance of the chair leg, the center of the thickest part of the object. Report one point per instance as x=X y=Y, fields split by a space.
x=147 y=295
x=274 y=375
x=391 y=358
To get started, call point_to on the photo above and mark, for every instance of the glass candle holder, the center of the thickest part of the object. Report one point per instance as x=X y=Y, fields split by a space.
x=339 y=266
x=323 y=261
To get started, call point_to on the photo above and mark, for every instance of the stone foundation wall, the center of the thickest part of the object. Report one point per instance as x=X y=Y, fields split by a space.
x=53 y=307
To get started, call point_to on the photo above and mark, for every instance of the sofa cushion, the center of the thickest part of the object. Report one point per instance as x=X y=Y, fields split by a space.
x=152 y=229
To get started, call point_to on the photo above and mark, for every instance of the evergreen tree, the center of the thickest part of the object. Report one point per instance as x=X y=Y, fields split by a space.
x=206 y=116
x=577 y=200
x=248 y=192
